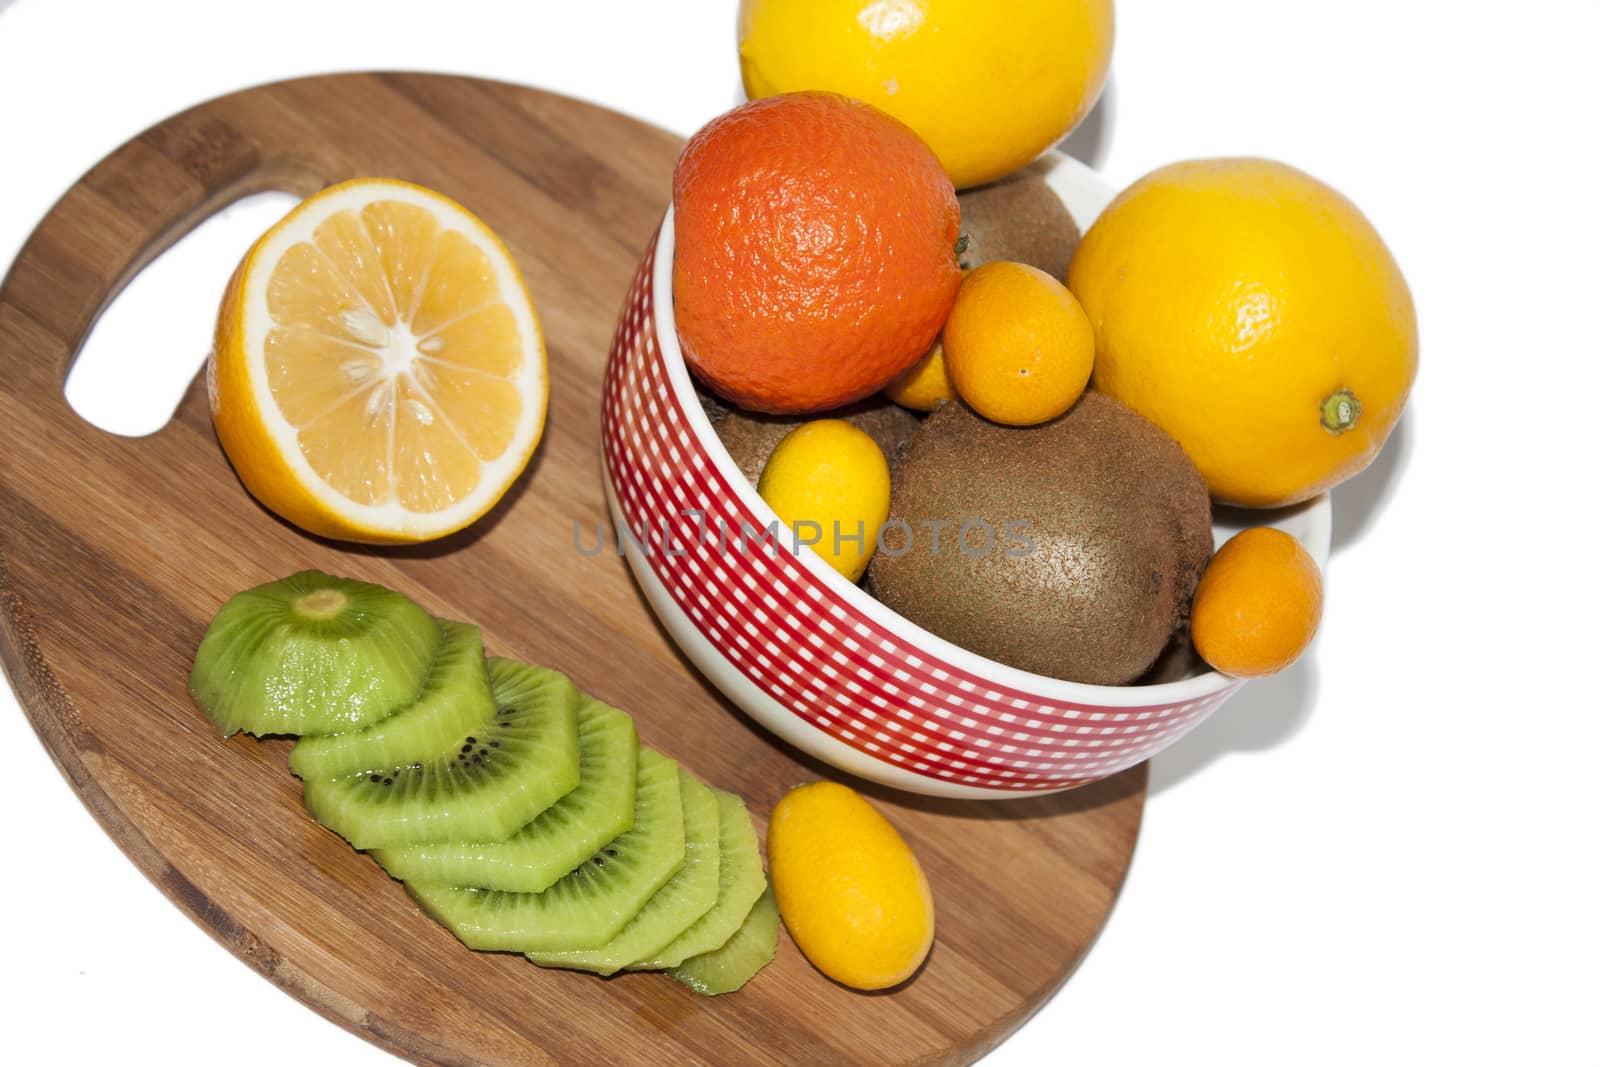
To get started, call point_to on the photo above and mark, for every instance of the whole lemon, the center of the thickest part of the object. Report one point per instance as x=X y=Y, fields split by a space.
x=1255 y=315
x=989 y=84
x=850 y=890
x=829 y=482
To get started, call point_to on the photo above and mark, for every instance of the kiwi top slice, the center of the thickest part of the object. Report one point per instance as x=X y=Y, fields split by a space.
x=312 y=654
x=510 y=768
x=563 y=836
x=591 y=904
x=740 y=883
x=455 y=697
x=675 y=907
x=750 y=948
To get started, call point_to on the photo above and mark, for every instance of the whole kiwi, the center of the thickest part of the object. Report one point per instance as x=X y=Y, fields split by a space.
x=1177 y=661
x=1019 y=219
x=1070 y=549
x=750 y=437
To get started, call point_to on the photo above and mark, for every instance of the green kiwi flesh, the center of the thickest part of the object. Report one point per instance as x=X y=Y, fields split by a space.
x=675 y=907
x=728 y=968
x=312 y=654
x=589 y=906
x=1119 y=522
x=565 y=834
x=455 y=698
x=511 y=767
x=740 y=884
x=521 y=814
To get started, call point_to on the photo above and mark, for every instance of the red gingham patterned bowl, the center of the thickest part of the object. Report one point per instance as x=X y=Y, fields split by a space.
x=814 y=658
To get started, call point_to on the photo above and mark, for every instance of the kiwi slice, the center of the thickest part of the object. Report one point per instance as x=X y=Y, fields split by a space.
x=675 y=907
x=562 y=837
x=511 y=767
x=312 y=654
x=454 y=699
x=740 y=884
x=750 y=948
x=589 y=906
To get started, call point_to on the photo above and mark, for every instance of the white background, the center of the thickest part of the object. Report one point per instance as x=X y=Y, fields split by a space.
x=1385 y=855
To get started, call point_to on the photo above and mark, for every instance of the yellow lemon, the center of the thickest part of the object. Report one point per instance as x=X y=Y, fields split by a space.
x=1255 y=315
x=379 y=371
x=926 y=385
x=850 y=890
x=1018 y=346
x=989 y=85
x=828 y=481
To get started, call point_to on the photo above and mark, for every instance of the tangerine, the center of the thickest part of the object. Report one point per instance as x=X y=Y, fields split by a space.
x=815 y=253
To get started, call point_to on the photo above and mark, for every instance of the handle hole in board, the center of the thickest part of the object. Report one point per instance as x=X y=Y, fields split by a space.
x=153 y=338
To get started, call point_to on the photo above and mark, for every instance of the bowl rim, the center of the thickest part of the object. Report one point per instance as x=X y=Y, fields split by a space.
x=1059 y=690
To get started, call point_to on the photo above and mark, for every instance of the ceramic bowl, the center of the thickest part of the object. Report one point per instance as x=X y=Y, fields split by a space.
x=811 y=656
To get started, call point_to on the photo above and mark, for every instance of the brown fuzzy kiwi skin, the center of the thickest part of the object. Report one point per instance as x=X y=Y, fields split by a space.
x=750 y=437
x=1177 y=661
x=1018 y=219
x=1120 y=522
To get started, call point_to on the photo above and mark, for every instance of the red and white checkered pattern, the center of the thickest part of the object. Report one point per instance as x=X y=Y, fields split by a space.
x=819 y=653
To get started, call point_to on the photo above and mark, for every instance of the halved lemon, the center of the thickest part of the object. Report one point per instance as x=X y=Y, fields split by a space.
x=379 y=372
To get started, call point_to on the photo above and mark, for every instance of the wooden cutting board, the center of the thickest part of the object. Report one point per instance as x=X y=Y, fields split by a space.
x=114 y=553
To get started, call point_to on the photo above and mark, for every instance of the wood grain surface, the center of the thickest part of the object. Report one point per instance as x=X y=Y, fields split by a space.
x=115 y=552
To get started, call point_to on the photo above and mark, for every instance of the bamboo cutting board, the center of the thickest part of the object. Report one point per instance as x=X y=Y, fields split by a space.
x=115 y=552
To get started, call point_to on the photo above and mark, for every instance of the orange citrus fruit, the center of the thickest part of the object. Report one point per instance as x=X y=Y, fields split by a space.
x=1017 y=346
x=849 y=888
x=379 y=371
x=1255 y=315
x=1258 y=604
x=926 y=385
x=988 y=85
x=815 y=255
